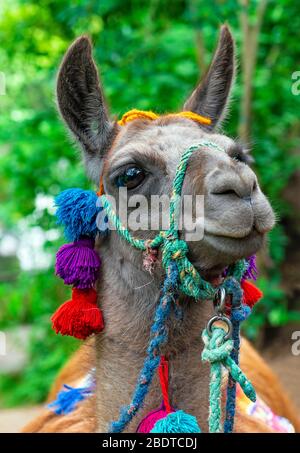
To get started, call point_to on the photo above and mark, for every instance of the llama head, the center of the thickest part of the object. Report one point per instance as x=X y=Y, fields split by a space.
x=143 y=155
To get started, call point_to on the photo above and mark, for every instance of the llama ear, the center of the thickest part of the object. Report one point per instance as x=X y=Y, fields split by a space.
x=82 y=105
x=211 y=95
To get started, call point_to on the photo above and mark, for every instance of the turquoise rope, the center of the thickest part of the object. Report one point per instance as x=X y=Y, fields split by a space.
x=217 y=351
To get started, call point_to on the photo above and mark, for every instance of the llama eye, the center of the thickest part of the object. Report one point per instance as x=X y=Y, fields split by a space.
x=130 y=178
x=240 y=153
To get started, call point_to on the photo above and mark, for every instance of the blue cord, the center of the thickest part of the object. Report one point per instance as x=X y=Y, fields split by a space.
x=239 y=313
x=159 y=336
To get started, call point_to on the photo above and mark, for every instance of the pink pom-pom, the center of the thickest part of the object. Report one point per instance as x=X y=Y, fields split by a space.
x=147 y=424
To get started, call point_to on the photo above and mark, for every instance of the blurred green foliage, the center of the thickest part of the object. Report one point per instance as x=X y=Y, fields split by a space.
x=150 y=54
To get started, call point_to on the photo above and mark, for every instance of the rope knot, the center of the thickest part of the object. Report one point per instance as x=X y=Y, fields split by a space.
x=173 y=249
x=216 y=347
x=217 y=350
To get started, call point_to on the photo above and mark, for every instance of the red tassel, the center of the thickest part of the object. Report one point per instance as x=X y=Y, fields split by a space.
x=80 y=316
x=251 y=293
x=148 y=422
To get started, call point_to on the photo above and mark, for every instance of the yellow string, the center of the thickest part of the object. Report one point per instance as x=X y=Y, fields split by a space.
x=134 y=114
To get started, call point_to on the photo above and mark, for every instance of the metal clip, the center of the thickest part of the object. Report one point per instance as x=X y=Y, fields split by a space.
x=219 y=304
x=223 y=319
x=219 y=301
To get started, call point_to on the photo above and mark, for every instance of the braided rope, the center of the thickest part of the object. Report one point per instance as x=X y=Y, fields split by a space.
x=115 y=220
x=159 y=335
x=238 y=314
x=217 y=351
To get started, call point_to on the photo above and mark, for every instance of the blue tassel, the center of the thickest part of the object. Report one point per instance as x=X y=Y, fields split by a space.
x=77 y=212
x=177 y=422
x=67 y=399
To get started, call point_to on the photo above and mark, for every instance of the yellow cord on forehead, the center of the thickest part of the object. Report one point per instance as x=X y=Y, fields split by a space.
x=148 y=115
x=135 y=114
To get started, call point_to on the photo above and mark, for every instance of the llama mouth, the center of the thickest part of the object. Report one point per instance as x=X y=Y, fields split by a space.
x=236 y=247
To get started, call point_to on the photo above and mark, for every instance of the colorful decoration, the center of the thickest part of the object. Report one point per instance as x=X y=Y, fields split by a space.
x=251 y=294
x=261 y=412
x=80 y=316
x=166 y=419
x=251 y=272
x=77 y=213
x=148 y=115
x=148 y=423
x=68 y=398
x=78 y=264
x=67 y=401
x=177 y=422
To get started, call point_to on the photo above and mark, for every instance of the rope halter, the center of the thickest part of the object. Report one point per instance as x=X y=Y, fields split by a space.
x=181 y=275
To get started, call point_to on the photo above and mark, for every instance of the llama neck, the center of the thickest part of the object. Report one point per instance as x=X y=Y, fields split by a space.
x=128 y=297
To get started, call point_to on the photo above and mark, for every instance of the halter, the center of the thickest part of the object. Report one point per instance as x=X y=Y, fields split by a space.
x=182 y=276
x=233 y=298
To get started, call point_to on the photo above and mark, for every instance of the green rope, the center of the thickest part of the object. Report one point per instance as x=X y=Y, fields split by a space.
x=217 y=350
x=114 y=219
x=173 y=249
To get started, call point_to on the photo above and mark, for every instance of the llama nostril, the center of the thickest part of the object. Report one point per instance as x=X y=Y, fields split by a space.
x=248 y=199
x=225 y=192
x=231 y=184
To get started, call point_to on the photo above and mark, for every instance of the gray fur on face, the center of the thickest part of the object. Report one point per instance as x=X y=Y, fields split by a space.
x=237 y=218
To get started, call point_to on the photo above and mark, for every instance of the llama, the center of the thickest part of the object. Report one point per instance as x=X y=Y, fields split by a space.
x=237 y=218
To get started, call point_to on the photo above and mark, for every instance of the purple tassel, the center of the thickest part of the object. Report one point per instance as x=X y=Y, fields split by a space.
x=251 y=272
x=78 y=264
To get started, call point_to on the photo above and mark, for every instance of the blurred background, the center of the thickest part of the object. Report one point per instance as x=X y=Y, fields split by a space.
x=150 y=54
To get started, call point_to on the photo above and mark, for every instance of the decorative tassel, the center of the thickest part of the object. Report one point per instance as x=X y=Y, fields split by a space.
x=78 y=264
x=77 y=212
x=251 y=293
x=165 y=419
x=68 y=398
x=251 y=272
x=80 y=316
x=147 y=424
x=177 y=422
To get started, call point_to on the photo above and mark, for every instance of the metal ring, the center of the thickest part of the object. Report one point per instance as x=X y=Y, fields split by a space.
x=223 y=319
x=220 y=298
